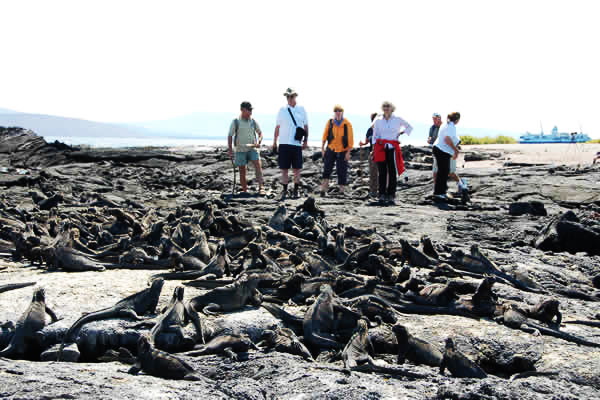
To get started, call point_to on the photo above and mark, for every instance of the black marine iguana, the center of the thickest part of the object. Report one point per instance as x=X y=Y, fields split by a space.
x=133 y=306
x=32 y=321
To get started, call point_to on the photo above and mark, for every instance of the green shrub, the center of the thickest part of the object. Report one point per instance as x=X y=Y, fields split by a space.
x=468 y=139
x=593 y=141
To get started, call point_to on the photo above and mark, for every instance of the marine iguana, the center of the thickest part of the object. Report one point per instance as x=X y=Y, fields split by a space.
x=320 y=320
x=133 y=306
x=277 y=221
x=415 y=257
x=458 y=364
x=516 y=318
x=284 y=340
x=172 y=321
x=228 y=298
x=359 y=349
x=414 y=349
x=160 y=364
x=24 y=341
x=230 y=345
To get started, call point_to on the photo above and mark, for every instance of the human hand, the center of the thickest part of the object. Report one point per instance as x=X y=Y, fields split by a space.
x=347 y=157
x=305 y=145
x=455 y=156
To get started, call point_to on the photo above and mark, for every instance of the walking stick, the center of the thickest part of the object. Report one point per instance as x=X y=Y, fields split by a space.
x=234 y=179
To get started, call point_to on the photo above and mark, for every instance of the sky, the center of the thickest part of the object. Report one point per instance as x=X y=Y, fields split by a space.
x=505 y=65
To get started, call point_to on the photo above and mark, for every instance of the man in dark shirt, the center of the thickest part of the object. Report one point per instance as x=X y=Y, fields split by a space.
x=435 y=128
x=373 y=171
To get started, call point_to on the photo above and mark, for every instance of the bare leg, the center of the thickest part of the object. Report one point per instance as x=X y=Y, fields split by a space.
x=324 y=185
x=243 y=178
x=296 y=176
x=259 y=175
x=284 y=177
x=454 y=177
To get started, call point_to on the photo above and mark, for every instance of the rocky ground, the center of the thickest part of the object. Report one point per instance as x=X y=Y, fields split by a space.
x=538 y=224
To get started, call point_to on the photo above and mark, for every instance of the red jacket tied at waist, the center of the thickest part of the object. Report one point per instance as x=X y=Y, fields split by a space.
x=379 y=153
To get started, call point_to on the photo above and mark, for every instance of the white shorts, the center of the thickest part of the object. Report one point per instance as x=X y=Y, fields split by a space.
x=452 y=166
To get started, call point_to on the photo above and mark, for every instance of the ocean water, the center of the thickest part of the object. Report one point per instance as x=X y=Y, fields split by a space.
x=155 y=141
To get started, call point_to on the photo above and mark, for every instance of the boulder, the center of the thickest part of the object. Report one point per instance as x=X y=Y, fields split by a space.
x=528 y=207
x=70 y=353
x=565 y=233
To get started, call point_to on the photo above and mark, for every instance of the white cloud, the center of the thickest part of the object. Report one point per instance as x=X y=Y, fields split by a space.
x=505 y=65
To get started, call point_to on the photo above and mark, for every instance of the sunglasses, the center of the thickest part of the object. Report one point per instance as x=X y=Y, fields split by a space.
x=338 y=110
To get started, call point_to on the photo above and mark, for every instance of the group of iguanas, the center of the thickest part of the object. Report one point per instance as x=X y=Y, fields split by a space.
x=339 y=298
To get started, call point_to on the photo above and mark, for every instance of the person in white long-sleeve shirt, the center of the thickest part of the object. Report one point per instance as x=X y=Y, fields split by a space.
x=388 y=128
x=445 y=149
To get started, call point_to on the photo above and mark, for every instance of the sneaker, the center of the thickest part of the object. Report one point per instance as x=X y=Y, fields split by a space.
x=440 y=198
x=382 y=199
x=323 y=193
x=391 y=201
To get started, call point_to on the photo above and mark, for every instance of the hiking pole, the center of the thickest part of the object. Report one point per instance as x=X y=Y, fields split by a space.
x=234 y=179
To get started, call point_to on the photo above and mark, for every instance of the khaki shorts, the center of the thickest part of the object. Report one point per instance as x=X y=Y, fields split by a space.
x=452 y=166
x=243 y=157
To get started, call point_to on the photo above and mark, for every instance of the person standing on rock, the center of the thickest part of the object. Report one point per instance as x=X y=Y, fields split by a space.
x=292 y=133
x=339 y=137
x=246 y=135
x=373 y=172
x=387 y=152
x=444 y=150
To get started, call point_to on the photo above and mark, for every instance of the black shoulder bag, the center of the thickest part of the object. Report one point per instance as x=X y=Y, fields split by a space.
x=300 y=132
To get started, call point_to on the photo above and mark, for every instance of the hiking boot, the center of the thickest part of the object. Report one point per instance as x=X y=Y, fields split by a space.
x=391 y=200
x=382 y=199
x=323 y=193
x=295 y=192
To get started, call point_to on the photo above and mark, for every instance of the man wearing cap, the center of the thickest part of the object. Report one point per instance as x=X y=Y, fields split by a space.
x=245 y=133
x=435 y=129
x=289 y=119
x=339 y=136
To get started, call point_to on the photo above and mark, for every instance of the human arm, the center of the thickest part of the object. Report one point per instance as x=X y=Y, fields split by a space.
x=259 y=133
x=230 y=139
x=276 y=136
x=305 y=144
x=350 y=141
x=407 y=127
x=451 y=138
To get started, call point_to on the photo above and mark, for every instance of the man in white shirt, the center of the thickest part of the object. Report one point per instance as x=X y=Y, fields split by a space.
x=289 y=119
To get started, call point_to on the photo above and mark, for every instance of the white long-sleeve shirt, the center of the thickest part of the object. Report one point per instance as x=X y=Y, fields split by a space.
x=389 y=129
x=448 y=130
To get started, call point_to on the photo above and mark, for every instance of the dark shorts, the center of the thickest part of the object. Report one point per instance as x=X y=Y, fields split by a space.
x=339 y=159
x=290 y=156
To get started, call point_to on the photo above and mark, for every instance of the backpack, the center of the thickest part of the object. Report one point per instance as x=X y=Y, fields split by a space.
x=236 y=122
x=330 y=134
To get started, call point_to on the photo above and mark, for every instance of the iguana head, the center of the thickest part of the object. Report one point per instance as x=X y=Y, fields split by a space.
x=143 y=345
x=449 y=344
x=39 y=295
x=401 y=332
x=178 y=293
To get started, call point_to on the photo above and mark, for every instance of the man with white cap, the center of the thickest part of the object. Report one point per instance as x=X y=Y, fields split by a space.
x=292 y=132
x=435 y=129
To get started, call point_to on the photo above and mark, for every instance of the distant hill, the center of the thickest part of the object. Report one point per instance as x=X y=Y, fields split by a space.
x=207 y=125
x=49 y=125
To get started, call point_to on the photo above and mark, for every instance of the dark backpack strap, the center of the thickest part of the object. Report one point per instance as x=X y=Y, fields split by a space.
x=292 y=115
x=330 y=132
x=236 y=122
x=345 y=138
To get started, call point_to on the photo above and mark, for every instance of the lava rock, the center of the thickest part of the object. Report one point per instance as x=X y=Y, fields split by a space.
x=530 y=207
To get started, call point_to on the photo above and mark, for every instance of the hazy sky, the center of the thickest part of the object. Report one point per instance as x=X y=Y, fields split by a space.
x=504 y=65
